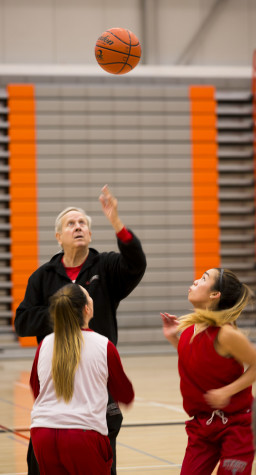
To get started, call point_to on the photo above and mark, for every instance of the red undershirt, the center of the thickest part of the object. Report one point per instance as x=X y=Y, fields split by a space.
x=72 y=272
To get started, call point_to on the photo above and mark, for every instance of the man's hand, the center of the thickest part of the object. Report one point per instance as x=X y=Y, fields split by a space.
x=109 y=207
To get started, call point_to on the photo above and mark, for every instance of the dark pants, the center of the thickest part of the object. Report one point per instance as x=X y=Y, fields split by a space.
x=33 y=468
x=114 y=422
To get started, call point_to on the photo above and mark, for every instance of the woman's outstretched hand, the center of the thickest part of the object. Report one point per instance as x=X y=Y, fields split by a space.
x=170 y=328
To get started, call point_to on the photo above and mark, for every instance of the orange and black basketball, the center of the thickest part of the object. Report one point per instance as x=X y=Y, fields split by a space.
x=118 y=50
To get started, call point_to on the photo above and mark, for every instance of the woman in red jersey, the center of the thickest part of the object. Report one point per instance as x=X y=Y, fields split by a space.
x=216 y=390
x=73 y=370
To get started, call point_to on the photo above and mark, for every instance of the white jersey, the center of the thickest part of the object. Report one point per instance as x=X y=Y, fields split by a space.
x=87 y=408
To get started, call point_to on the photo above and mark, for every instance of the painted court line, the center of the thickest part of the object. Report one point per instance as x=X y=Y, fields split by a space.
x=22 y=385
x=11 y=403
x=145 y=453
x=159 y=404
x=14 y=432
x=152 y=424
x=148 y=467
x=17 y=441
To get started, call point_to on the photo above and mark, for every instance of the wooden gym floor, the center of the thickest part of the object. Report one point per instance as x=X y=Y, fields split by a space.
x=152 y=439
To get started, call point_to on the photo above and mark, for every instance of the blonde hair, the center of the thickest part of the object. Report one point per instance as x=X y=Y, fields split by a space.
x=58 y=221
x=66 y=310
x=235 y=296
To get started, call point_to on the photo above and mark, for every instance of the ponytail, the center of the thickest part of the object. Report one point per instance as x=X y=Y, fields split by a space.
x=66 y=310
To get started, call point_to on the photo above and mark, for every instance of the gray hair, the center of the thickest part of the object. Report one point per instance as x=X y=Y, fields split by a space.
x=58 y=223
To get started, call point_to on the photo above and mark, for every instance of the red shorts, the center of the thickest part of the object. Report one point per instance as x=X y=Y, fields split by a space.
x=227 y=440
x=71 y=451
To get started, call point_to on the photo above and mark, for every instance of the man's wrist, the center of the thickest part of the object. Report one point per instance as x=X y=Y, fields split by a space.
x=118 y=225
x=124 y=235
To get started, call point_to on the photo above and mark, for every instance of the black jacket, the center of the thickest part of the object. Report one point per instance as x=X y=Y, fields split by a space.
x=108 y=277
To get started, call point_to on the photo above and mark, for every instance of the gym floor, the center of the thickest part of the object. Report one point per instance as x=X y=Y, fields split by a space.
x=152 y=439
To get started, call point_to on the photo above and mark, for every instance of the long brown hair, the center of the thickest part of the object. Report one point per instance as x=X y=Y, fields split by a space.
x=235 y=296
x=66 y=310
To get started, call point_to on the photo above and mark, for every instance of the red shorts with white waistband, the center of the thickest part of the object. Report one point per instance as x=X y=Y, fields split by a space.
x=217 y=437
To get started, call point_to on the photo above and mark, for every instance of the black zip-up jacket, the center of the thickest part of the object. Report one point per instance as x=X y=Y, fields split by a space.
x=108 y=277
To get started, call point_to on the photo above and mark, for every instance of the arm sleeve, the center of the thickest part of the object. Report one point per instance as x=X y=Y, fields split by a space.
x=32 y=315
x=34 y=381
x=125 y=269
x=124 y=235
x=119 y=386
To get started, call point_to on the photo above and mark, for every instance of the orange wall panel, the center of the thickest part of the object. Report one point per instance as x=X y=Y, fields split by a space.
x=204 y=150
x=25 y=236
x=204 y=135
x=22 y=164
x=17 y=105
x=202 y=178
x=201 y=106
x=204 y=165
x=199 y=192
x=22 y=121
x=209 y=205
x=18 y=207
x=20 y=150
x=203 y=121
x=21 y=91
x=22 y=135
x=19 y=177
x=202 y=92
x=23 y=191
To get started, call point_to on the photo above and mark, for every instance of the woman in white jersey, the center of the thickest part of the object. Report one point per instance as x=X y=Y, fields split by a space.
x=73 y=370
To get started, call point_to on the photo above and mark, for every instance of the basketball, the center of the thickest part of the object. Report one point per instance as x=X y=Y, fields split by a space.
x=118 y=51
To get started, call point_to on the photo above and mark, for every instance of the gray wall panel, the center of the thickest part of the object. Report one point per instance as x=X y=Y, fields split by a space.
x=119 y=120
x=126 y=192
x=142 y=150
x=111 y=133
x=122 y=177
x=165 y=234
x=126 y=162
x=113 y=149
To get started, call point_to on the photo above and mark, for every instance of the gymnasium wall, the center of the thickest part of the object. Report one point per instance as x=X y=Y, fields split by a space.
x=137 y=139
x=172 y=32
x=149 y=135
x=178 y=157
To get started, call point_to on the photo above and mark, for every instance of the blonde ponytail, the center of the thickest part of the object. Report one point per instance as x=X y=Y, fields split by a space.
x=66 y=310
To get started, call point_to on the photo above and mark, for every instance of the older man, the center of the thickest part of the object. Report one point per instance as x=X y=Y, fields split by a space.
x=108 y=277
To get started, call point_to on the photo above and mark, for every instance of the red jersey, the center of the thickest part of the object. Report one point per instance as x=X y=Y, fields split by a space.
x=201 y=368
